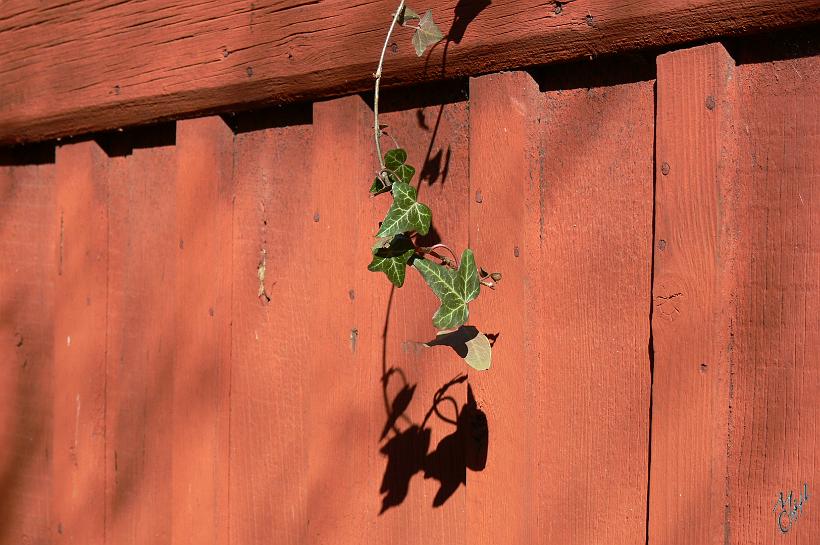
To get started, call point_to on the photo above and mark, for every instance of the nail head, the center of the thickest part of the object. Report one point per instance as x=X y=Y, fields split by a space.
x=710 y=102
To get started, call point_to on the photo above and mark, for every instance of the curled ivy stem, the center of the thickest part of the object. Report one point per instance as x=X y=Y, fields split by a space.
x=432 y=251
x=446 y=261
x=452 y=253
x=378 y=76
x=395 y=142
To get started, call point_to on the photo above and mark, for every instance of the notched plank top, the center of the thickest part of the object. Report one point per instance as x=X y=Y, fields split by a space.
x=86 y=65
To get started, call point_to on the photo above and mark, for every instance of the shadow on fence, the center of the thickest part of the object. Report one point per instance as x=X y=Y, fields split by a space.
x=408 y=451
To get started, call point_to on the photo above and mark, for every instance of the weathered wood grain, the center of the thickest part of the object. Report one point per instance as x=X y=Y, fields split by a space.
x=184 y=409
x=594 y=276
x=141 y=336
x=28 y=266
x=202 y=347
x=505 y=112
x=693 y=288
x=271 y=335
x=341 y=356
x=85 y=65
x=80 y=323
x=774 y=435
x=571 y=311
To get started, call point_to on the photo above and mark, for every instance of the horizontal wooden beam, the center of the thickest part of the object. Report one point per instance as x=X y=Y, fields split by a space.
x=80 y=66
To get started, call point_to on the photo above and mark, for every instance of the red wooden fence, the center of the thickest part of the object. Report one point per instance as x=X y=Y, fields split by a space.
x=193 y=352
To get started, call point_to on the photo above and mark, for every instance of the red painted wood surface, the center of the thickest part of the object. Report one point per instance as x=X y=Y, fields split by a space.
x=141 y=337
x=692 y=292
x=87 y=65
x=270 y=335
x=27 y=276
x=505 y=114
x=191 y=406
x=423 y=453
x=594 y=278
x=201 y=381
x=735 y=300
x=80 y=323
x=566 y=318
x=775 y=375
x=340 y=359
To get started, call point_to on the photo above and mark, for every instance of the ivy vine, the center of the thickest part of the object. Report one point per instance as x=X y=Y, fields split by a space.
x=456 y=282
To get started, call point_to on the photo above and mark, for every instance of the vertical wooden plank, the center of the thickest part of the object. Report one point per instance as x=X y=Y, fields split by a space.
x=201 y=382
x=531 y=230
x=422 y=461
x=775 y=435
x=141 y=337
x=80 y=322
x=342 y=357
x=27 y=271
x=692 y=289
x=593 y=386
x=271 y=336
x=504 y=219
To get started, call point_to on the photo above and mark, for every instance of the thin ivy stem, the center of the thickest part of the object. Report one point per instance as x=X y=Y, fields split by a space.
x=452 y=253
x=445 y=260
x=378 y=75
x=395 y=142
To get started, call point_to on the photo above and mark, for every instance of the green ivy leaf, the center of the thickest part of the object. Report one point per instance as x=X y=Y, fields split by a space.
x=395 y=163
x=407 y=15
x=397 y=171
x=391 y=257
x=453 y=288
x=427 y=34
x=378 y=187
x=394 y=158
x=405 y=214
x=381 y=243
x=402 y=174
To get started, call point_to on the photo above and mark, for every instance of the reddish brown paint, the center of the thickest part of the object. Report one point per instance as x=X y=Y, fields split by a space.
x=736 y=278
x=576 y=308
x=775 y=368
x=504 y=142
x=84 y=66
x=342 y=351
x=349 y=361
x=594 y=279
x=695 y=223
x=217 y=418
x=27 y=275
x=80 y=322
x=202 y=348
x=141 y=339
x=271 y=334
